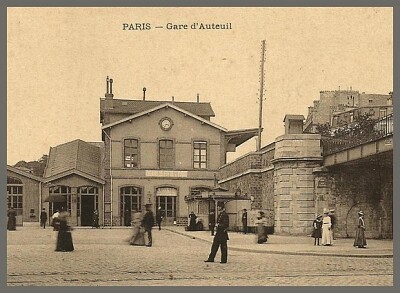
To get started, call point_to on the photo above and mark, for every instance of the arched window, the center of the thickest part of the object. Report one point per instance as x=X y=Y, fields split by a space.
x=130 y=200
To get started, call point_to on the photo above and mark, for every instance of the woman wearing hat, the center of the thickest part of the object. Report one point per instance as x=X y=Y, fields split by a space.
x=326 y=229
x=360 y=241
x=317 y=232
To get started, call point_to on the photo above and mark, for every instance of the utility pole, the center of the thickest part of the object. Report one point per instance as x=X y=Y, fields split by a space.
x=261 y=94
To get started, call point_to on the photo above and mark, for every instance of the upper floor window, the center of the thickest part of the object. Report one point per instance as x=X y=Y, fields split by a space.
x=200 y=155
x=166 y=153
x=131 y=153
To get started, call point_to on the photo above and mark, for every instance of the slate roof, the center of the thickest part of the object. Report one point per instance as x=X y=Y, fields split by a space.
x=23 y=173
x=82 y=157
x=137 y=106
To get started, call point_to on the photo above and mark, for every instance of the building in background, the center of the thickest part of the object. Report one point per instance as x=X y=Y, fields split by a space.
x=24 y=192
x=340 y=106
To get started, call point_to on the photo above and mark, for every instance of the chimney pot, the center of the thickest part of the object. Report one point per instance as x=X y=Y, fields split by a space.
x=198 y=98
x=144 y=94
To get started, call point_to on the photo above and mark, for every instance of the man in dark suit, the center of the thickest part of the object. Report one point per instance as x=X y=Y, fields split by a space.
x=221 y=236
x=244 y=221
x=43 y=218
x=148 y=223
x=211 y=222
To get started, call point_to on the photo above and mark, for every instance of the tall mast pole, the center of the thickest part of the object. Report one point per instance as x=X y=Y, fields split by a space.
x=261 y=94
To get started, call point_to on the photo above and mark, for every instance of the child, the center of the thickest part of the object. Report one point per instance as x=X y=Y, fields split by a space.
x=317 y=233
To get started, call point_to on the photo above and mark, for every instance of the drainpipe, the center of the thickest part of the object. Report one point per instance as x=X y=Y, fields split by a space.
x=111 y=182
x=40 y=200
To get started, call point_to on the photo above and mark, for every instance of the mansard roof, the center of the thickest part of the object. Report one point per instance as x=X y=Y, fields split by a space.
x=75 y=157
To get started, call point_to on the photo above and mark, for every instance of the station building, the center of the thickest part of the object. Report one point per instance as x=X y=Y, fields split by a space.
x=160 y=152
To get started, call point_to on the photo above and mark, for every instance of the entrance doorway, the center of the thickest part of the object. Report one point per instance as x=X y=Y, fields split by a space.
x=88 y=207
x=167 y=200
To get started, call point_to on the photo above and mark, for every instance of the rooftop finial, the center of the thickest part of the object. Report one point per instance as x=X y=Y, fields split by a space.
x=144 y=94
x=198 y=98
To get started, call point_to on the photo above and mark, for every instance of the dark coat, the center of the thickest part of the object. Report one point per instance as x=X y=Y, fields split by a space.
x=223 y=225
x=244 y=219
x=159 y=215
x=12 y=220
x=43 y=216
x=148 y=220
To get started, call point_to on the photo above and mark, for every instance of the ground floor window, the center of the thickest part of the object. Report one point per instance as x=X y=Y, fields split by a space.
x=64 y=199
x=130 y=201
x=166 y=198
x=15 y=194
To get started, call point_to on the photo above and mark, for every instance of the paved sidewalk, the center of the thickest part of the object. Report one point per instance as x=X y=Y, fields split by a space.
x=295 y=245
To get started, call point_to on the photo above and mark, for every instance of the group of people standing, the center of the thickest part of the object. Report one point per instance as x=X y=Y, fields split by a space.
x=143 y=224
x=324 y=229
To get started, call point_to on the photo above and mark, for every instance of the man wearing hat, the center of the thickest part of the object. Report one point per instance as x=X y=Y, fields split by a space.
x=148 y=223
x=244 y=221
x=43 y=218
x=333 y=222
x=221 y=236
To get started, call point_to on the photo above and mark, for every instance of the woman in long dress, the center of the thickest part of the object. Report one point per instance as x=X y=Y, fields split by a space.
x=138 y=235
x=64 y=237
x=261 y=222
x=12 y=219
x=360 y=240
x=326 y=229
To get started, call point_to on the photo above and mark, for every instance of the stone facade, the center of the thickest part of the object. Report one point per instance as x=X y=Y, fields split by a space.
x=296 y=155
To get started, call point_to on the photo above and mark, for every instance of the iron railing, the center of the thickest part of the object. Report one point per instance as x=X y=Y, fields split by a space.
x=357 y=136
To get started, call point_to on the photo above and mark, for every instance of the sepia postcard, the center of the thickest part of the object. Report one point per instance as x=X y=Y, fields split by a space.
x=200 y=146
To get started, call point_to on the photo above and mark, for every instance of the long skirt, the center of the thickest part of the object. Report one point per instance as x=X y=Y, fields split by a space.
x=262 y=236
x=360 y=240
x=11 y=223
x=326 y=235
x=137 y=237
x=64 y=241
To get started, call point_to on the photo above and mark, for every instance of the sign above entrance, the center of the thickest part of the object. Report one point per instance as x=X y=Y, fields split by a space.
x=162 y=173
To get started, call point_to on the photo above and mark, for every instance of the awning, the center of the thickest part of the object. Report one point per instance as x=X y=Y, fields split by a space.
x=56 y=198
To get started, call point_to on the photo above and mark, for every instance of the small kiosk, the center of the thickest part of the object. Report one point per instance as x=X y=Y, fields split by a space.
x=204 y=202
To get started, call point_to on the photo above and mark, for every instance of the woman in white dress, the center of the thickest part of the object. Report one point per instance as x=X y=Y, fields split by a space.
x=326 y=229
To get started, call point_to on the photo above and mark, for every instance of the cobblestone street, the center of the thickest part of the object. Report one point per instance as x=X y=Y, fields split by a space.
x=102 y=257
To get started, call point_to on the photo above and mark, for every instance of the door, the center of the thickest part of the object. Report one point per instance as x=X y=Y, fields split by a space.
x=87 y=209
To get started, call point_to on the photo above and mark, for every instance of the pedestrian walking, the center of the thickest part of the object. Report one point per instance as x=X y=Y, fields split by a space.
x=211 y=222
x=261 y=222
x=159 y=217
x=55 y=221
x=244 y=221
x=317 y=229
x=127 y=218
x=326 y=229
x=12 y=219
x=192 y=221
x=148 y=223
x=43 y=218
x=95 y=220
x=333 y=222
x=138 y=231
x=221 y=237
x=360 y=240
x=64 y=237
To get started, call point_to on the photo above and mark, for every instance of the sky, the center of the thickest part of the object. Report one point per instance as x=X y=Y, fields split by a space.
x=58 y=60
